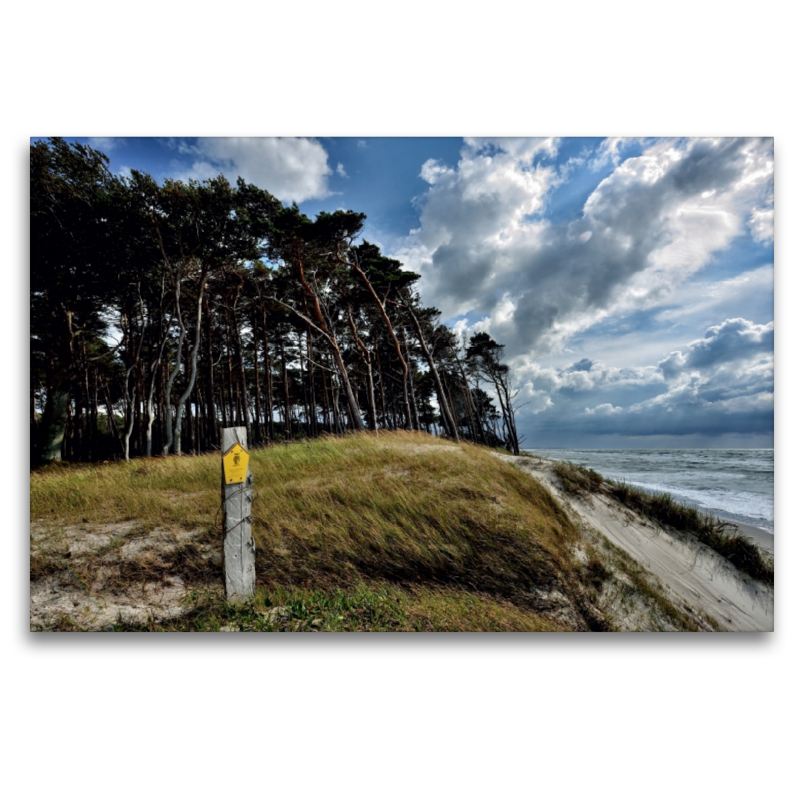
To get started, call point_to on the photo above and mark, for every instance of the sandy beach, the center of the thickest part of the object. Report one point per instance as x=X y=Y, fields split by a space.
x=764 y=539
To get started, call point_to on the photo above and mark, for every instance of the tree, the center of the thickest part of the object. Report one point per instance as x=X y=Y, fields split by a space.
x=70 y=282
x=485 y=357
x=308 y=249
x=182 y=305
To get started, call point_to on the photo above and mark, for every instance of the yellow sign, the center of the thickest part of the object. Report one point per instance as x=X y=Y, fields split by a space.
x=234 y=464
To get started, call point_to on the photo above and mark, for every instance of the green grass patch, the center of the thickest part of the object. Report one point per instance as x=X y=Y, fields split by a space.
x=362 y=608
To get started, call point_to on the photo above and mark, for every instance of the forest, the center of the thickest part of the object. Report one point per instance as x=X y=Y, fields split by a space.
x=162 y=311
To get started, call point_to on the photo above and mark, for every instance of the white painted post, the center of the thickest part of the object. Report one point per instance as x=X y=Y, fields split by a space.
x=239 y=548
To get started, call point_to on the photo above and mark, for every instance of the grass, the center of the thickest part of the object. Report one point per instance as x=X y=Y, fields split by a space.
x=577 y=480
x=721 y=536
x=393 y=532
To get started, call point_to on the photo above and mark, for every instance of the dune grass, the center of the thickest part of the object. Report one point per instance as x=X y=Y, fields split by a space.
x=461 y=540
x=577 y=480
x=719 y=535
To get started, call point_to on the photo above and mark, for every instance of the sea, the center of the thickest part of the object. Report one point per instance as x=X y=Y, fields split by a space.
x=737 y=485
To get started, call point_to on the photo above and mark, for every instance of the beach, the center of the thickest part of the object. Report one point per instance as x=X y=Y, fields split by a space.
x=764 y=539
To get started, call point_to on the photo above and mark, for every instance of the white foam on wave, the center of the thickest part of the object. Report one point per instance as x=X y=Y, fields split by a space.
x=734 y=484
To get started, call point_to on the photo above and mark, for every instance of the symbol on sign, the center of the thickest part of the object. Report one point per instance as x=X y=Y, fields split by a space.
x=235 y=463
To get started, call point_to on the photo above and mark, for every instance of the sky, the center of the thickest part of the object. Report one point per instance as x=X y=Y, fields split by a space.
x=630 y=280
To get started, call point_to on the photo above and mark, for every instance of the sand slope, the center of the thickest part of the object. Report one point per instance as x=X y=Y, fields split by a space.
x=696 y=575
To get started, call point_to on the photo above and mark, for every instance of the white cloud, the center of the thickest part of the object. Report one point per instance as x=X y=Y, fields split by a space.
x=646 y=229
x=293 y=169
x=761 y=224
x=473 y=216
x=340 y=170
x=604 y=409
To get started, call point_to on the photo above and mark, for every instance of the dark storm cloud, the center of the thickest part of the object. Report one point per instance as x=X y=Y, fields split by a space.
x=728 y=389
x=733 y=340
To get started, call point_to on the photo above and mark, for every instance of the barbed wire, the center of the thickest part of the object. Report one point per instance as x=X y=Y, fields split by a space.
x=248 y=518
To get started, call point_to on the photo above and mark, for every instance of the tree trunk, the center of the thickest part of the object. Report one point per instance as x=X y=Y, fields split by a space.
x=383 y=394
x=366 y=357
x=287 y=417
x=212 y=432
x=444 y=406
x=54 y=423
x=268 y=376
x=390 y=328
x=355 y=413
x=244 y=402
x=56 y=409
x=169 y=433
x=257 y=430
x=193 y=359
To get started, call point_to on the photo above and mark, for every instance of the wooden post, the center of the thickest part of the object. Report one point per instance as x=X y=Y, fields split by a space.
x=239 y=549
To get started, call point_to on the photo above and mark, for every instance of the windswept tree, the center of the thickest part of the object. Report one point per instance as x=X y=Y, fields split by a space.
x=70 y=279
x=307 y=250
x=484 y=355
x=386 y=272
x=201 y=230
x=422 y=321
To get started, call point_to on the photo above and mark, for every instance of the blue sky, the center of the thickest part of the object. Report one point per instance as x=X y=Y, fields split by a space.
x=631 y=280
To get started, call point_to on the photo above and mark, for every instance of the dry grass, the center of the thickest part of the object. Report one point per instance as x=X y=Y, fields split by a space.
x=464 y=541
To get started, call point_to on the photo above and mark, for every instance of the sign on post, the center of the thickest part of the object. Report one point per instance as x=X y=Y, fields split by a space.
x=239 y=548
x=234 y=464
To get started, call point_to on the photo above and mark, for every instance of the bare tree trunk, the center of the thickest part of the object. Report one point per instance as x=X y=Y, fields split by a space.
x=193 y=358
x=313 y=392
x=475 y=421
x=56 y=415
x=212 y=430
x=366 y=357
x=355 y=413
x=383 y=394
x=444 y=406
x=244 y=402
x=110 y=411
x=414 y=408
x=268 y=375
x=287 y=418
x=174 y=374
x=354 y=265
x=256 y=383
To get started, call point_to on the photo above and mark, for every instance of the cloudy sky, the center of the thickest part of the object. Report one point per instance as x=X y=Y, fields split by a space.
x=631 y=280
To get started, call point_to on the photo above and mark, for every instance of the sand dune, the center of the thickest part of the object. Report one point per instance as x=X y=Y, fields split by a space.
x=692 y=572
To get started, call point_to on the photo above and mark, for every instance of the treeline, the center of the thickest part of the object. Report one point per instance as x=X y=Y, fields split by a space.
x=161 y=311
